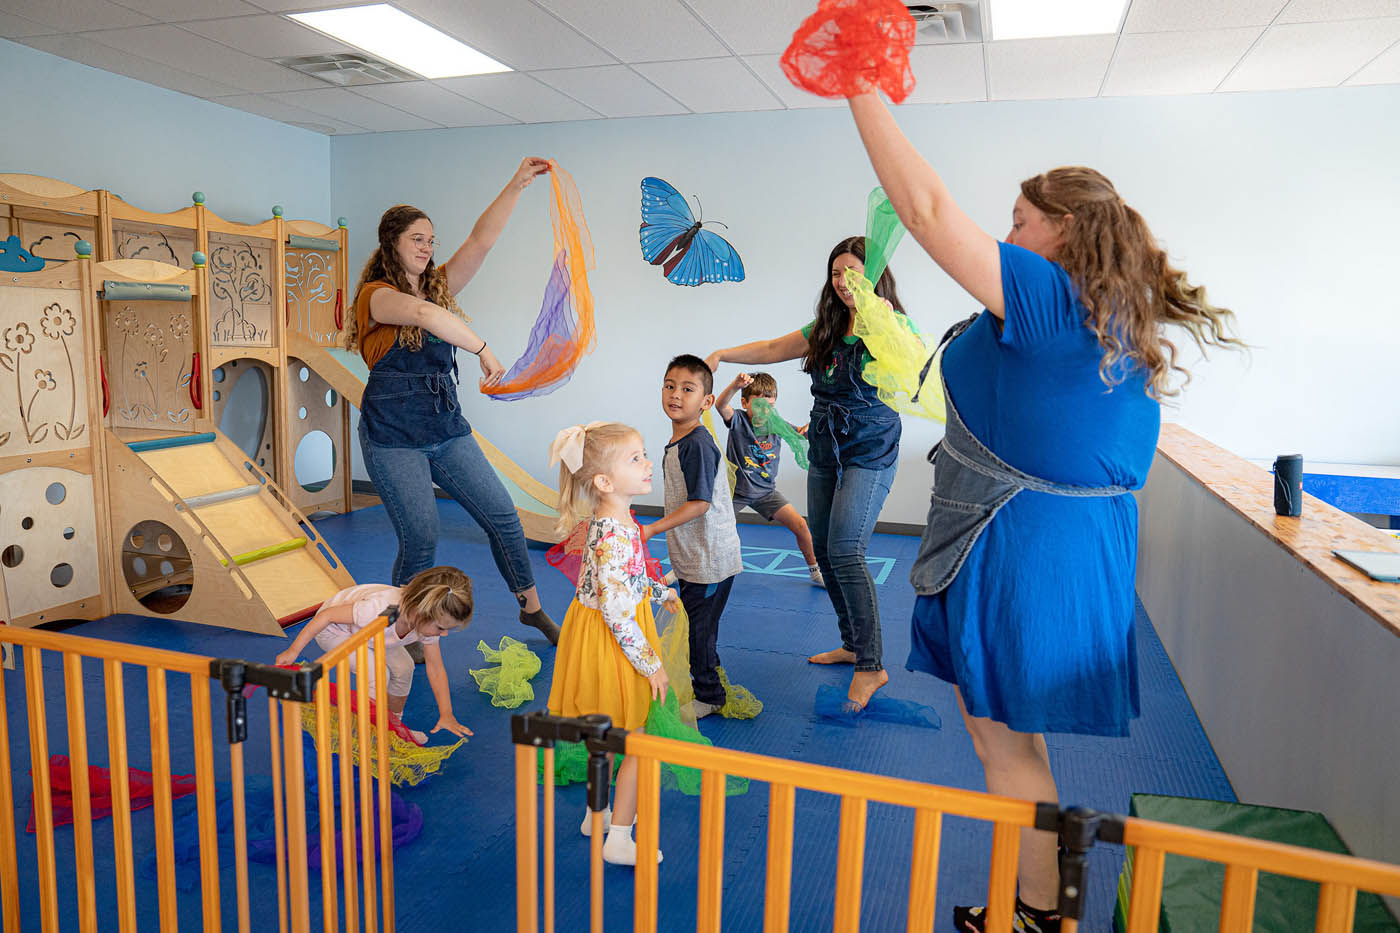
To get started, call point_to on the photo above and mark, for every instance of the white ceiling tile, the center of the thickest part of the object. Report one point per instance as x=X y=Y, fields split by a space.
x=288 y=113
x=352 y=108
x=751 y=28
x=613 y=91
x=640 y=30
x=771 y=72
x=1312 y=54
x=520 y=96
x=76 y=15
x=12 y=26
x=177 y=48
x=1199 y=15
x=80 y=49
x=430 y=102
x=267 y=36
x=1319 y=11
x=1177 y=62
x=1384 y=69
x=516 y=32
x=175 y=11
x=945 y=74
x=1036 y=69
x=711 y=85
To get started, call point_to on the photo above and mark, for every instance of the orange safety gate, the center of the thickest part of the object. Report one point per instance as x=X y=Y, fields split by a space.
x=535 y=735
x=366 y=904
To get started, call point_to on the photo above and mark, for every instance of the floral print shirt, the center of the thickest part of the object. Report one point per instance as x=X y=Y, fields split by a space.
x=613 y=580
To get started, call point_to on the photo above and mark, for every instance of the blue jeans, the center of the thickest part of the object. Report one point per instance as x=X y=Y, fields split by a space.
x=404 y=476
x=842 y=518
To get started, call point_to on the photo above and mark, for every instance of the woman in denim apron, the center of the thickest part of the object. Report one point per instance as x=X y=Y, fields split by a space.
x=1026 y=571
x=408 y=327
x=853 y=453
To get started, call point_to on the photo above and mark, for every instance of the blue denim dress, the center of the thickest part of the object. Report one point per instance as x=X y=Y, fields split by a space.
x=410 y=398
x=850 y=427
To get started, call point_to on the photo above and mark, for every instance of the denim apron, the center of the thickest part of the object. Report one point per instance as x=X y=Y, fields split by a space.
x=850 y=426
x=970 y=485
x=410 y=398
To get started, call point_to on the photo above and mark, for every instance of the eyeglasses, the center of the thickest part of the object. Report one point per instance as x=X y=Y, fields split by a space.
x=420 y=241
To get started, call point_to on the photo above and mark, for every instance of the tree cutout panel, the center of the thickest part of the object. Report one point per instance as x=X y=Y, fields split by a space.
x=312 y=308
x=55 y=240
x=43 y=371
x=173 y=246
x=240 y=290
x=150 y=355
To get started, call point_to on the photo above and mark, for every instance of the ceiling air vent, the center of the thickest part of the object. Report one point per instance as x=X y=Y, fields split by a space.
x=946 y=22
x=347 y=70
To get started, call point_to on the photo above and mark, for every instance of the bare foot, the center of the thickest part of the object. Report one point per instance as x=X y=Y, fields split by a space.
x=863 y=686
x=834 y=656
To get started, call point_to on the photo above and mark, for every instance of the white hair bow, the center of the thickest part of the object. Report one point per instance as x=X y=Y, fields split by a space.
x=568 y=445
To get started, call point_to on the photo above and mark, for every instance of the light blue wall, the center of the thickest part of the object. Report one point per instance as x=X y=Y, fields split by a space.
x=1281 y=203
x=152 y=146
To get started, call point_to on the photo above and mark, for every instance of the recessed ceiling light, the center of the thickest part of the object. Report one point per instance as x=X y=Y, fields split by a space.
x=1039 y=19
x=395 y=36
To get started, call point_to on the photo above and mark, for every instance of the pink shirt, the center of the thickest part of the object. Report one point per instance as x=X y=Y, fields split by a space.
x=370 y=601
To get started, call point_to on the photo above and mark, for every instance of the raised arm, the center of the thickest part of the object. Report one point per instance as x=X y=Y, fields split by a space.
x=722 y=401
x=787 y=347
x=965 y=251
x=472 y=253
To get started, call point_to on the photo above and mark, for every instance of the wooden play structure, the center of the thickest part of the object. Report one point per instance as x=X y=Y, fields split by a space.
x=127 y=336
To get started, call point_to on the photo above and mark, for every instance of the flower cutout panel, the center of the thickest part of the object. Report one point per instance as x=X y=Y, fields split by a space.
x=241 y=280
x=150 y=358
x=43 y=371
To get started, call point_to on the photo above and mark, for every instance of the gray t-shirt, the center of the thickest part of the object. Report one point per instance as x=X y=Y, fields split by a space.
x=755 y=457
x=704 y=549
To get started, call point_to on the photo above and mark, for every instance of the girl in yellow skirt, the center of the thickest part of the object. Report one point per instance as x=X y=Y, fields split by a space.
x=607 y=659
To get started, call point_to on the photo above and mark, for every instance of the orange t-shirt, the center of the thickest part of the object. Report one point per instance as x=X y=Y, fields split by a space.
x=375 y=339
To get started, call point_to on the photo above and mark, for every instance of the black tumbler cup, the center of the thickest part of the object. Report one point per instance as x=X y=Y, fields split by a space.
x=1288 y=484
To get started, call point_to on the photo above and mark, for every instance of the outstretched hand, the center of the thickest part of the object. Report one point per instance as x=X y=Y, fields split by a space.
x=451 y=724
x=530 y=168
x=491 y=368
x=712 y=361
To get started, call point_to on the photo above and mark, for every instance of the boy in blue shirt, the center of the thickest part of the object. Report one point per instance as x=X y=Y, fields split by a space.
x=754 y=458
x=703 y=541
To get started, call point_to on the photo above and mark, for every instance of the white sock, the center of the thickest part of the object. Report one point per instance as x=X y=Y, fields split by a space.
x=620 y=849
x=587 y=827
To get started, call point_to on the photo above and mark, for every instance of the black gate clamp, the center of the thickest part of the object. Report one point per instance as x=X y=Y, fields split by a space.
x=298 y=686
x=1078 y=828
x=595 y=731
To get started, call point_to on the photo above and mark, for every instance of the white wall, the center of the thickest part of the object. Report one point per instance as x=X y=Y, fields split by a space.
x=154 y=147
x=1283 y=203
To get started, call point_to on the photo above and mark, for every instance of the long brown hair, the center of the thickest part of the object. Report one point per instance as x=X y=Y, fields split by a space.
x=832 y=313
x=440 y=595
x=1128 y=288
x=384 y=266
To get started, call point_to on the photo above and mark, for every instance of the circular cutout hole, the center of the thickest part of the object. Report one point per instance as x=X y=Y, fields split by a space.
x=301 y=413
x=61 y=575
x=163 y=584
x=26 y=523
x=217 y=396
x=331 y=398
x=303 y=374
x=55 y=494
x=12 y=556
x=68 y=534
x=262 y=462
x=219 y=374
x=314 y=459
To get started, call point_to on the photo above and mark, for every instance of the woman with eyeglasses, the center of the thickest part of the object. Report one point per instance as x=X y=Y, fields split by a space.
x=408 y=327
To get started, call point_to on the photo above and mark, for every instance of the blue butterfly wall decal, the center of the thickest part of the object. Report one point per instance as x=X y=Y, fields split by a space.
x=673 y=239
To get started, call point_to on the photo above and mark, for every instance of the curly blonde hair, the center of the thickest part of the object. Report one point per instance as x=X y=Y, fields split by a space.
x=1130 y=290
x=384 y=266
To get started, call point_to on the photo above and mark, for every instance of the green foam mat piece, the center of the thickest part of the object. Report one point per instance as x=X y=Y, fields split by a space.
x=1191 y=887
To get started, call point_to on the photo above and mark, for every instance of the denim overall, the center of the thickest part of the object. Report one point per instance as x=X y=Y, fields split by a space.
x=970 y=485
x=410 y=399
x=850 y=425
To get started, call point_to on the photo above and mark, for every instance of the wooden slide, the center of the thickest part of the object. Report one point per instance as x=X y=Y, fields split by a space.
x=194 y=511
x=346 y=373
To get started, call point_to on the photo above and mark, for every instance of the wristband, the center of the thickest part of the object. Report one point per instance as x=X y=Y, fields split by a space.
x=482 y=349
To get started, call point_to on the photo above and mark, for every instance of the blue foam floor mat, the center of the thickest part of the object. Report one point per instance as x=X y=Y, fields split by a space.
x=461 y=870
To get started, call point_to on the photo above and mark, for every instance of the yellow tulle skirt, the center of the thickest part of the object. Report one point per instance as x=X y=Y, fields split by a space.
x=592 y=675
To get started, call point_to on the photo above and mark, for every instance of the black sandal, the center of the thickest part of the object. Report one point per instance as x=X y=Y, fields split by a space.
x=1025 y=920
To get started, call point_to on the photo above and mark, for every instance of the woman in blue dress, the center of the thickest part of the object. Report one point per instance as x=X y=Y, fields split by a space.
x=1026 y=572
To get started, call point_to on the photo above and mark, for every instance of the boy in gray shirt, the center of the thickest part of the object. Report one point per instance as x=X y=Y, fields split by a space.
x=702 y=539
